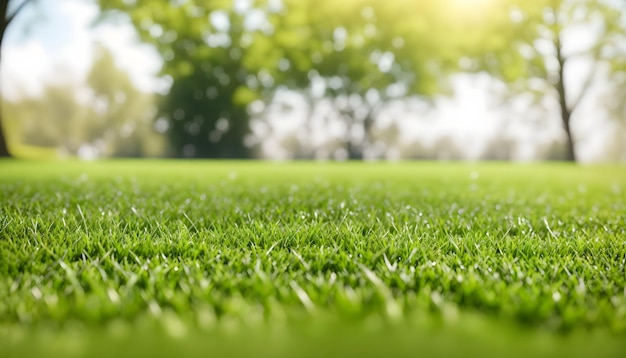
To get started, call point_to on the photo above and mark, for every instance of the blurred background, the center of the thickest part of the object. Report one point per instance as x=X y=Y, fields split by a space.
x=519 y=80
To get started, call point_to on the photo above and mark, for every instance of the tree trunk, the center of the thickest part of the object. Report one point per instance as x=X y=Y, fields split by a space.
x=4 y=149
x=570 y=153
x=4 y=22
x=356 y=150
x=566 y=111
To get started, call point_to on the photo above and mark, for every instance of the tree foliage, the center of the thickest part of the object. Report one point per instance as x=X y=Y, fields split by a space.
x=534 y=46
x=361 y=54
x=104 y=116
x=222 y=55
x=204 y=46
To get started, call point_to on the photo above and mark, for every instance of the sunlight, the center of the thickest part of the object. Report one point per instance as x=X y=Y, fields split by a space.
x=473 y=8
x=475 y=4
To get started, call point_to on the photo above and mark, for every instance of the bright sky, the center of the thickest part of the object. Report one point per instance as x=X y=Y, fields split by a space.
x=59 y=34
x=54 y=41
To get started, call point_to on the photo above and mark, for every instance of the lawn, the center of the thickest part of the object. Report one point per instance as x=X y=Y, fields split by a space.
x=159 y=258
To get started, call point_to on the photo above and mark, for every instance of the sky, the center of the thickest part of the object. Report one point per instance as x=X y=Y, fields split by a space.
x=52 y=35
x=53 y=41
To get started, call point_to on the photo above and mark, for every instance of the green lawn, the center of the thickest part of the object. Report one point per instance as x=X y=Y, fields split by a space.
x=305 y=259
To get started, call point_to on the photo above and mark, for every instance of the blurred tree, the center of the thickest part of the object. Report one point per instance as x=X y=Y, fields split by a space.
x=554 y=150
x=50 y=120
x=123 y=118
x=5 y=20
x=613 y=96
x=223 y=54
x=447 y=148
x=105 y=116
x=204 y=46
x=534 y=45
x=501 y=147
x=416 y=150
x=360 y=54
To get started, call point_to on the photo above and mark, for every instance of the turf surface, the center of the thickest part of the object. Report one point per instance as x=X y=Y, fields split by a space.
x=257 y=259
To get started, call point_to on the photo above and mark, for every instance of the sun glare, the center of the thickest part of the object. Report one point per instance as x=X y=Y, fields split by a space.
x=475 y=9
x=472 y=4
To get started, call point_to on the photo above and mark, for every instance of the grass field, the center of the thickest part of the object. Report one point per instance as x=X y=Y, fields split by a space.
x=305 y=259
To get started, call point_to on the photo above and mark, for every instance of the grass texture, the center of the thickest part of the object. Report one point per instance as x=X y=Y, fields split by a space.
x=307 y=259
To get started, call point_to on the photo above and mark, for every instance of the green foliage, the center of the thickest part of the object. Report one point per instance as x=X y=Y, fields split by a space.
x=204 y=46
x=364 y=53
x=123 y=115
x=106 y=112
x=357 y=55
x=531 y=46
x=347 y=40
x=222 y=55
x=522 y=39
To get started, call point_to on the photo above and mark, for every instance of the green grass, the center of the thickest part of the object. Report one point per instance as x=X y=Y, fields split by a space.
x=261 y=259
